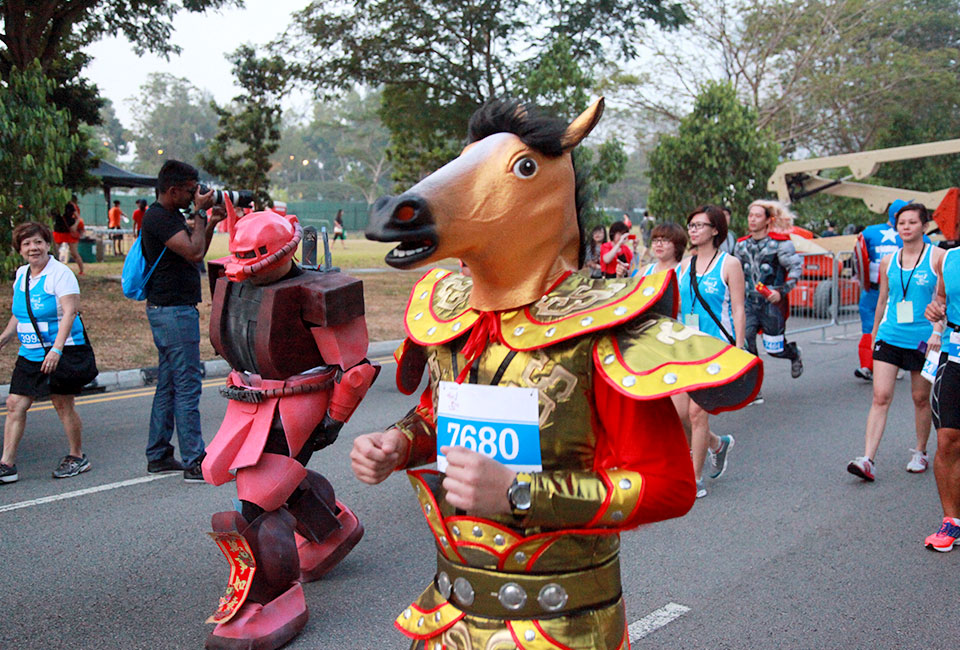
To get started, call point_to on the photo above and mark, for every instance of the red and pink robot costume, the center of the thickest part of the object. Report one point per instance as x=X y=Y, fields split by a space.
x=296 y=341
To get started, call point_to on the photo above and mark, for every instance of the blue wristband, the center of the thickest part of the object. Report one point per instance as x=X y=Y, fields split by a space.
x=57 y=351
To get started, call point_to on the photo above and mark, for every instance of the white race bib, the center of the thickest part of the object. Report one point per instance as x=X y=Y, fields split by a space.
x=953 y=347
x=773 y=344
x=905 y=312
x=501 y=422
x=930 y=364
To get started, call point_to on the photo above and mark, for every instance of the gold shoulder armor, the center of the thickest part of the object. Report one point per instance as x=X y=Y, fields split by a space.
x=438 y=309
x=658 y=356
x=580 y=305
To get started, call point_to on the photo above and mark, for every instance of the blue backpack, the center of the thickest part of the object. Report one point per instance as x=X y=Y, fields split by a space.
x=135 y=276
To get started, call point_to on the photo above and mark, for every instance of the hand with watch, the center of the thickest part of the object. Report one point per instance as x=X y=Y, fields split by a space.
x=477 y=484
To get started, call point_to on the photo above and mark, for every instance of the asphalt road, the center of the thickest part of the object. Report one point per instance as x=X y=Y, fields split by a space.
x=786 y=551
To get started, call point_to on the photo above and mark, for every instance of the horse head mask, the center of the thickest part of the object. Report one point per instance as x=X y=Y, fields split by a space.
x=507 y=206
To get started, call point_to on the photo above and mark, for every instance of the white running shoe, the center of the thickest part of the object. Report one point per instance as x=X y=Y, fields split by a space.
x=701 y=491
x=918 y=463
x=863 y=467
x=900 y=374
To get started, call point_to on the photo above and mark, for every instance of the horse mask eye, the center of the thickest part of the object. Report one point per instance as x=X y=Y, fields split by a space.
x=525 y=168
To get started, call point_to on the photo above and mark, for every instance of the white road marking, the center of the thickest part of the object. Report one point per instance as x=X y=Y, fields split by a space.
x=85 y=491
x=655 y=620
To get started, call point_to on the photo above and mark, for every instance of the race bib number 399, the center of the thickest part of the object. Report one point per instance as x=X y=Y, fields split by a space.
x=497 y=421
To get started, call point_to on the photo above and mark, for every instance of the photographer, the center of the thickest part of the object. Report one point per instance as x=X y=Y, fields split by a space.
x=172 y=296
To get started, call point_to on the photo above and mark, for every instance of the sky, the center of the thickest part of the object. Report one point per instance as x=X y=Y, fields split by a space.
x=204 y=39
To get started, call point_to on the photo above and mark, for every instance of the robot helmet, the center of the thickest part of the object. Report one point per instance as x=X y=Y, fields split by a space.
x=259 y=241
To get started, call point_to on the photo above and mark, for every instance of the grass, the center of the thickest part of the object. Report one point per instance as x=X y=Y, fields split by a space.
x=121 y=334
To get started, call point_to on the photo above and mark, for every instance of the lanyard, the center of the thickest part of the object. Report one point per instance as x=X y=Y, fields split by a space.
x=693 y=272
x=912 y=271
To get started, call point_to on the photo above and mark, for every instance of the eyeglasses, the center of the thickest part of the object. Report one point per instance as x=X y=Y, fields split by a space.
x=698 y=225
x=659 y=240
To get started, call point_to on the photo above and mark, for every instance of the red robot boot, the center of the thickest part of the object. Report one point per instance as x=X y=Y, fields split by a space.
x=326 y=529
x=272 y=609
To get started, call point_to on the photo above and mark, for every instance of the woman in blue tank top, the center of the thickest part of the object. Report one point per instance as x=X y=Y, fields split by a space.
x=719 y=281
x=944 y=312
x=900 y=332
x=668 y=242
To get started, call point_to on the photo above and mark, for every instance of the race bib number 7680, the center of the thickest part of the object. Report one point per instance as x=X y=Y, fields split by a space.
x=496 y=421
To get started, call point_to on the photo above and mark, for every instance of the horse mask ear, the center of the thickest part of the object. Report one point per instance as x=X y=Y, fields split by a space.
x=582 y=126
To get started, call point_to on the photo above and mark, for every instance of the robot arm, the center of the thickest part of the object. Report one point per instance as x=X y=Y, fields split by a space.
x=348 y=390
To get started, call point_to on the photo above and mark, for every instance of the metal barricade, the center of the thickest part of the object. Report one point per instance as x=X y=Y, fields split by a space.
x=848 y=311
x=813 y=301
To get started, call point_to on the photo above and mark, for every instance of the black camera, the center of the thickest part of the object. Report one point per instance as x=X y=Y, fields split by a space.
x=240 y=198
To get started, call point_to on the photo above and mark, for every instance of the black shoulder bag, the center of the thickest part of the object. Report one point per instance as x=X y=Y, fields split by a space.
x=78 y=364
x=696 y=290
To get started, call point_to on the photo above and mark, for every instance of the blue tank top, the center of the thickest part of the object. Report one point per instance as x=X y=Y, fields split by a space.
x=951 y=284
x=714 y=290
x=649 y=270
x=920 y=283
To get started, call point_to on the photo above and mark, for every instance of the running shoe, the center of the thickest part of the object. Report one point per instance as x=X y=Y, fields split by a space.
x=796 y=365
x=8 y=473
x=900 y=374
x=168 y=464
x=757 y=400
x=862 y=467
x=718 y=458
x=701 y=491
x=945 y=538
x=864 y=373
x=918 y=463
x=71 y=466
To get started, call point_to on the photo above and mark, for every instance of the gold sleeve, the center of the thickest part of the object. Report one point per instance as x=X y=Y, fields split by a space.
x=418 y=427
x=570 y=499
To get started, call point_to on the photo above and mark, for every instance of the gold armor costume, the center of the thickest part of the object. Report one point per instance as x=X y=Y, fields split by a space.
x=604 y=355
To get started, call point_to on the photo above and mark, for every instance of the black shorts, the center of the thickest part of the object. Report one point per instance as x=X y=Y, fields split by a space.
x=946 y=395
x=27 y=380
x=911 y=360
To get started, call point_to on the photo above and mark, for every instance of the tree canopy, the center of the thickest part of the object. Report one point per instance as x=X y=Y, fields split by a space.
x=248 y=132
x=717 y=156
x=35 y=146
x=438 y=60
x=178 y=122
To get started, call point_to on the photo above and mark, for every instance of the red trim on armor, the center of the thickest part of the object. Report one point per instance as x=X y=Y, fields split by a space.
x=536 y=556
x=744 y=238
x=623 y=362
x=556 y=535
x=689 y=389
x=606 y=500
x=436 y=508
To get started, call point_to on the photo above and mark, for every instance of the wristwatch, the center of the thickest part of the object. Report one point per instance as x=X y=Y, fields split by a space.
x=518 y=494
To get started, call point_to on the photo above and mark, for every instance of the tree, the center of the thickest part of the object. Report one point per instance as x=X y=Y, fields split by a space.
x=440 y=59
x=823 y=75
x=35 y=145
x=53 y=32
x=717 y=156
x=45 y=30
x=178 y=122
x=111 y=134
x=248 y=133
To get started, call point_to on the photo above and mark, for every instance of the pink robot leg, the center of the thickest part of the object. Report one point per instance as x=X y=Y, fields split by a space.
x=275 y=610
